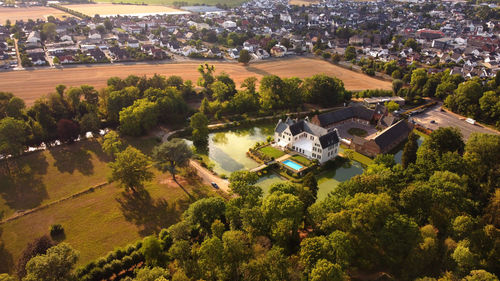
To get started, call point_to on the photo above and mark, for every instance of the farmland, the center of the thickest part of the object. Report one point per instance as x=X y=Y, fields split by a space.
x=303 y=2
x=108 y=9
x=231 y=3
x=34 y=13
x=37 y=83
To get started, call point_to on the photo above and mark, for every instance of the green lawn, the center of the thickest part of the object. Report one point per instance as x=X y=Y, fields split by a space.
x=301 y=159
x=231 y=3
x=271 y=152
x=96 y=222
x=365 y=160
x=357 y=132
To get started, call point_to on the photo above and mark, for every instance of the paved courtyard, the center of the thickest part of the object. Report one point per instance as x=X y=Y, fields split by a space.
x=448 y=119
x=344 y=128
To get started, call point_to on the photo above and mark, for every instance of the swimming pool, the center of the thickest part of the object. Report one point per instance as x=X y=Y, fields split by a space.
x=292 y=165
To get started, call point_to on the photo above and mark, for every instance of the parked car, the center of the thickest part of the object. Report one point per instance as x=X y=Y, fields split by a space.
x=433 y=122
x=214 y=185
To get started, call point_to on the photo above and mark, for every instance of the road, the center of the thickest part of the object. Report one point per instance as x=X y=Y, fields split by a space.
x=208 y=177
x=19 y=64
x=449 y=119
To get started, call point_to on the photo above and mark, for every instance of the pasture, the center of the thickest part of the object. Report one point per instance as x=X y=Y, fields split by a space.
x=37 y=83
x=95 y=222
x=24 y=14
x=108 y=9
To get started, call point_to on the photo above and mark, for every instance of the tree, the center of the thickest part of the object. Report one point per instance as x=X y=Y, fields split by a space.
x=480 y=275
x=90 y=123
x=15 y=107
x=131 y=168
x=391 y=106
x=324 y=90
x=244 y=56
x=350 y=53
x=37 y=247
x=13 y=138
x=202 y=213
x=67 y=130
x=410 y=150
x=199 y=125
x=138 y=118
x=250 y=84
x=108 y=25
x=327 y=271
x=152 y=251
x=55 y=265
x=111 y=143
x=170 y=155
x=397 y=84
x=445 y=139
x=49 y=31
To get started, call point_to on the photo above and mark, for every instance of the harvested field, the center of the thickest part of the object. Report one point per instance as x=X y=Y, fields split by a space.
x=30 y=85
x=303 y=2
x=34 y=13
x=108 y=9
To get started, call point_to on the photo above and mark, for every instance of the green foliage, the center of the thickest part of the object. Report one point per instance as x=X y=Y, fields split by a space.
x=199 y=125
x=13 y=136
x=244 y=56
x=138 y=118
x=55 y=265
x=111 y=143
x=350 y=53
x=131 y=168
x=172 y=154
x=324 y=90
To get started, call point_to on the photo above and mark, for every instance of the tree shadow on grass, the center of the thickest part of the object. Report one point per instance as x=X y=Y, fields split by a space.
x=22 y=188
x=69 y=158
x=6 y=260
x=149 y=214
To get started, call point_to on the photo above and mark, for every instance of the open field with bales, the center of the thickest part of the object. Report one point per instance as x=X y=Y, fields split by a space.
x=94 y=222
x=24 y=14
x=37 y=83
x=109 y=9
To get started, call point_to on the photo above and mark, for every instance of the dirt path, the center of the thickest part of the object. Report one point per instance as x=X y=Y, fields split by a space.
x=208 y=177
x=39 y=82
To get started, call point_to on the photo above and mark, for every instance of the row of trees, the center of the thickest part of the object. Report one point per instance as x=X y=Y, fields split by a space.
x=275 y=93
x=435 y=216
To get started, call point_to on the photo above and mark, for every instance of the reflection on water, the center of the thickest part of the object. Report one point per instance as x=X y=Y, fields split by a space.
x=329 y=180
x=398 y=156
x=227 y=150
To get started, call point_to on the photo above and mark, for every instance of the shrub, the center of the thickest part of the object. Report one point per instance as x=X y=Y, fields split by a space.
x=101 y=262
x=107 y=270
x=130 y=248
x=110 y=257
x=117 y=266
x=127 y=262
x=97 y=273
x=119 y=253
x=56 y=230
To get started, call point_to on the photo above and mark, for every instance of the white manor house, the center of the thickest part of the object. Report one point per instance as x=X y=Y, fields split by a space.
x=312 y=141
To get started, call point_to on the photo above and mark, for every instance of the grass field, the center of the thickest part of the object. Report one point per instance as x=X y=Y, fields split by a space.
x=230 y=3
x=96 y=222
x=34 y=13
x=271 y=152
x=301 y=159
x=37 y=83
x=108 y=9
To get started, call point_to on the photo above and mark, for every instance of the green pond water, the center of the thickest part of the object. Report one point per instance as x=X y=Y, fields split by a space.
x=227 y=151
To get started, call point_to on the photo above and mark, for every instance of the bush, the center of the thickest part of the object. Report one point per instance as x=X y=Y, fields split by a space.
x=127 y=262
x=110 y=257
x=117 y=266
x=119 y=253
x=101 y=262
x=96 y=273
x=56 y=230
